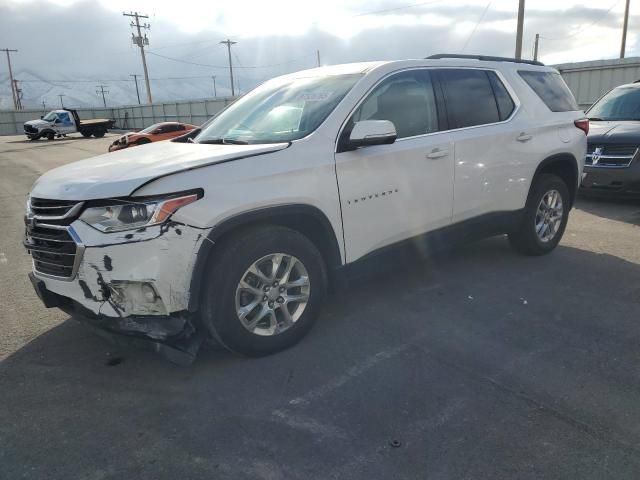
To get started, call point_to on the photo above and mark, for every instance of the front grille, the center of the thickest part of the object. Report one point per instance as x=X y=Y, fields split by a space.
x=30 y=129
x=49 y=239
x=610 y=156
x=52 y=208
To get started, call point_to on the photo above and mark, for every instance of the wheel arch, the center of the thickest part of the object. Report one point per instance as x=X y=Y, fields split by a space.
x=306 y=219
x=563 y=165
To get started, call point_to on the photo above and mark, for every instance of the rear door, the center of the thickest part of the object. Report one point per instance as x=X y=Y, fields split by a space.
x=492 y=146
x=393 y=192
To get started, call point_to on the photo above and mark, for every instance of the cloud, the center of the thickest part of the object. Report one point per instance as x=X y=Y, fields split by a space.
x=86 y=41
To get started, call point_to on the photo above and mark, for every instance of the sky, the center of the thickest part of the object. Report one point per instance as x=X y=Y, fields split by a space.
x=71 y=45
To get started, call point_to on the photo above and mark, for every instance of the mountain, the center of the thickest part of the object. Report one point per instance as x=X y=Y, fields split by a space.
x=82 y=93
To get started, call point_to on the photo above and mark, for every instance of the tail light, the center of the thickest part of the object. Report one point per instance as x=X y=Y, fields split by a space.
x=583 y=124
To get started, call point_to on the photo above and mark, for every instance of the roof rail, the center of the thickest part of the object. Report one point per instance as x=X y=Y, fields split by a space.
x=486 y=58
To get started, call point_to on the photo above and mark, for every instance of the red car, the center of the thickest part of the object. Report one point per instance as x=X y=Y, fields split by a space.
x=154 y=133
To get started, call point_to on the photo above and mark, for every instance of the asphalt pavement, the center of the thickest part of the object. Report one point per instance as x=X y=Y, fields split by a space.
x=475 y=364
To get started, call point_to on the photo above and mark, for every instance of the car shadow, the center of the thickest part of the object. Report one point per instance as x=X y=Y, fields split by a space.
x=622 y=210
x=521 y=342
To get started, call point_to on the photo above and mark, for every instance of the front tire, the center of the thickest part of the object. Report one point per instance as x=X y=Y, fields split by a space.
x=50 y=136
x=545 y=218
x=264 y=290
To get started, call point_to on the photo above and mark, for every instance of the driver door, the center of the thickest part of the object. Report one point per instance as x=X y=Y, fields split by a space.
x=390 y=193
x=64 y=123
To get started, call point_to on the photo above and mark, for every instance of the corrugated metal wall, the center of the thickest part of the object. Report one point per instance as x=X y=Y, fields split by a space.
x=590 y=80
x=130 y=117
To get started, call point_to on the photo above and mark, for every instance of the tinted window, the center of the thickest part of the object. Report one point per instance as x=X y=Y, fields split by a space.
x=622 y=103
x=469 y=98
x=551 y=89
x=503 y=99
x=406 y=99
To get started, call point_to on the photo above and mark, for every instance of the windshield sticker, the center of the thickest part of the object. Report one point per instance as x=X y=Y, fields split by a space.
x=314 y=96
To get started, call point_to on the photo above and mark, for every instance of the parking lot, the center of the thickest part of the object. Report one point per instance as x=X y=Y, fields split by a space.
x=476 y=364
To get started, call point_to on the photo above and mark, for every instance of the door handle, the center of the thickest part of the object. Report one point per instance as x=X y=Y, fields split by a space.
x=524 y=137
x=437 y=153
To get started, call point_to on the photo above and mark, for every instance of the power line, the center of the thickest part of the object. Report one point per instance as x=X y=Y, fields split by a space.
x=251 y=67
x=141 y=42
x=475 y=27
x=578 y=32
x=386 y=10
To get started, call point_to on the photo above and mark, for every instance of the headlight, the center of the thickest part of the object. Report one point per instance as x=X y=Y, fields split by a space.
x=128 y=215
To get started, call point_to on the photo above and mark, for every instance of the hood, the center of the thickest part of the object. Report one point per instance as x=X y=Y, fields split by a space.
x=37 y=123
x=120 y=173
x=623 y=132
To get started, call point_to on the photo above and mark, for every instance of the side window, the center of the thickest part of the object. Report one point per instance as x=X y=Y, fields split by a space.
x=407 y=99
x=551 y=89
x=469 y=97
x=503 y=99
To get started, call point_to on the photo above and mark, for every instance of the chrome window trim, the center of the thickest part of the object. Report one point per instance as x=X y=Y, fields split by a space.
x=507 y=86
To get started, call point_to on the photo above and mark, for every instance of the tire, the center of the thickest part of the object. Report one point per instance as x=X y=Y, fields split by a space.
x=99 y=133
x=50 y=136
x=526 y=239
x=35 y=137
x=85 y=134
x=222 y=297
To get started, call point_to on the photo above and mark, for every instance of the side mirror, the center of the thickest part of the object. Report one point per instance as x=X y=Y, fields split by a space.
x=41 y=117
x=372 y=132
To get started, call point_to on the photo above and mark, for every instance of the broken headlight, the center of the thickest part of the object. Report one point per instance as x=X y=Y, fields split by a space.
x=128 y=215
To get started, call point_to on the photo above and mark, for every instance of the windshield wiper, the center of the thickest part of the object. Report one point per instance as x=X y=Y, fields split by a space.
x=224 y=141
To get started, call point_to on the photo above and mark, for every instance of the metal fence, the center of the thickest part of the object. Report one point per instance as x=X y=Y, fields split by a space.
x=132 y=117
x=590 y=80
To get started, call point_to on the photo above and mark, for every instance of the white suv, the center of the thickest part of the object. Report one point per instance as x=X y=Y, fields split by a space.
x=236 y=234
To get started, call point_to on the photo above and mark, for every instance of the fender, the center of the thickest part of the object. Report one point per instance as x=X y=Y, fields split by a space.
x=306 y=219
x=566 y=166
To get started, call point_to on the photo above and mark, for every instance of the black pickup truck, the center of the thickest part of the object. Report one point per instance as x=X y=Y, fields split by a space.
x=60 y=123
x=612 y=165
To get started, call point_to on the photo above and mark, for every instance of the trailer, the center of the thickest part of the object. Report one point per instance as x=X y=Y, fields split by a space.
x=60 y=123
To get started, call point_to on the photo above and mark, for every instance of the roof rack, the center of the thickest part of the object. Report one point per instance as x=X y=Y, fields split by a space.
x=485 y=58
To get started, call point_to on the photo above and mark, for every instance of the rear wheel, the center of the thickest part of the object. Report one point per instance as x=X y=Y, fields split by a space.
x=264 y=290
x=99 y=133
x=85 y=134
x=545 y=218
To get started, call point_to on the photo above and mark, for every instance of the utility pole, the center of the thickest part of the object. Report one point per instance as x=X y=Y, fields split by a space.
x=520 y=29
x=215 y=93
x=13 y=91
x=18 y=95
x=535 y=47
x=102 y=91
x=318 y=56
x=141 y=41
x=624 y=29
x=61 y=104
x=135 y=79
x=228 y=43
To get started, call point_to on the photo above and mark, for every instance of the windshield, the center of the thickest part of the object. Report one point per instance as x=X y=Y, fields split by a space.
x=279 y=111
x=150 y=128
x=619 y=104
x=50 y=117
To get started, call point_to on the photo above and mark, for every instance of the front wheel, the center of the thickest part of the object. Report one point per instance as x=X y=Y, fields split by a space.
x=545 y=218
x=50 y=136
x=264 y=291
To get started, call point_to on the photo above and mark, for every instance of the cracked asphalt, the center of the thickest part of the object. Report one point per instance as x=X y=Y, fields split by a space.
x=475 y=364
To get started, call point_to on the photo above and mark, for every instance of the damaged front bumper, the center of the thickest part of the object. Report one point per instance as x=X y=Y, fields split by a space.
x=133 y=284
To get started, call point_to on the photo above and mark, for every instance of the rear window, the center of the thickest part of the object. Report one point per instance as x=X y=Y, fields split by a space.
x=551 y=89
x=469 y=97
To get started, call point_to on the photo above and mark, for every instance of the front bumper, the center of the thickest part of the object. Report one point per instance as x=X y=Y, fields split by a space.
x=620 y=182
x=117 y=145
x=132 y=283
